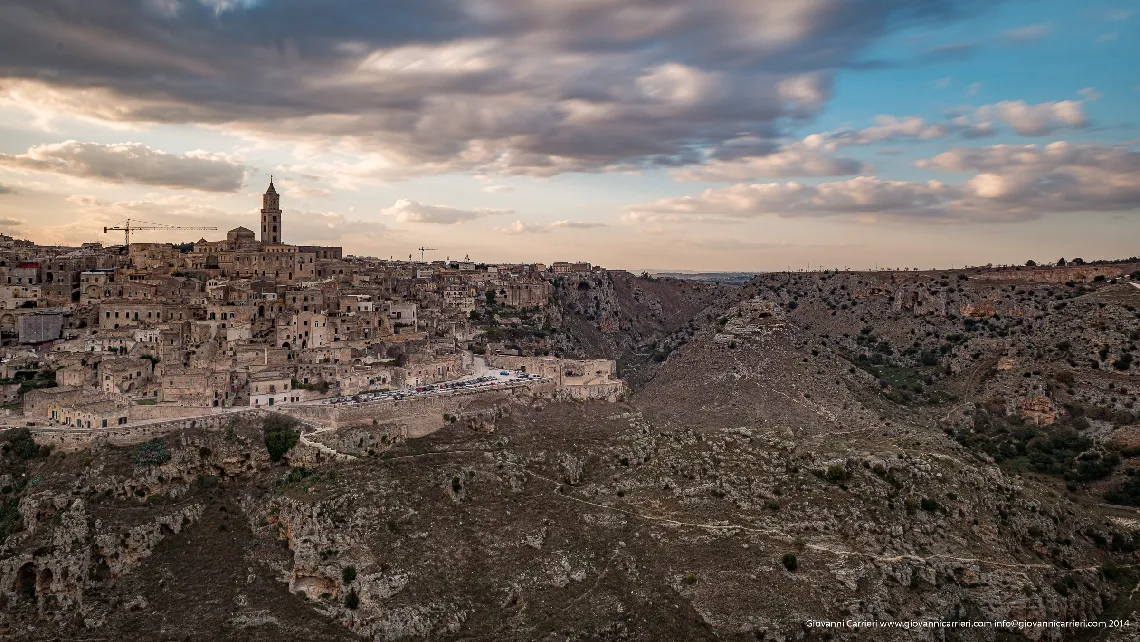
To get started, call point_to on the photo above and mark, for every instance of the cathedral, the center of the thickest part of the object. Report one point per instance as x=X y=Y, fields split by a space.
x=241 y=255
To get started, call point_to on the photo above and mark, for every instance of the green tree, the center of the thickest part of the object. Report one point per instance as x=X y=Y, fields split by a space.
x=281 y=435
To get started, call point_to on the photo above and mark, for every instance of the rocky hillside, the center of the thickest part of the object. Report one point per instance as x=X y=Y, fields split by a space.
x=617 y=315
x=851 y=446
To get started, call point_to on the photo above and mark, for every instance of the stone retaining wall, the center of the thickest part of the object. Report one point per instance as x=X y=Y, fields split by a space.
x=76 y=439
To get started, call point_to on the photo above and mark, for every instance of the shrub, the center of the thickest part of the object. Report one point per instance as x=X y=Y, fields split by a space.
x=1111 y=571
x=348 y=574
x=836 y=474
x=1123 y=363
x=21 y=444
x=280 y=435
x=1064 y=584
x=790 y=562
x=352 y=600
x=152 y=453
x=1127 y=493
x=298 y=474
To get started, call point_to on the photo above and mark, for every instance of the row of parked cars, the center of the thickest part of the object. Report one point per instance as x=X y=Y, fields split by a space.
x=485 y=381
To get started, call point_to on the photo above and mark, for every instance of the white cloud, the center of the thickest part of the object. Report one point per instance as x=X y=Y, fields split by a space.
x=519 y=227
x=409 y=211
x=860 y=195
x=887 y=128
x=973 y=88
x=788 y=162
x=132 y=163
x=301 y=189
x=1059 y=177
x=1035 y=120
x=1008 y=183
x=807 y=92
x=498 y=189
x=1090 y=94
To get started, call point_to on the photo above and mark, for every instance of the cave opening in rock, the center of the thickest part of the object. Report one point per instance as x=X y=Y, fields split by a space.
x=26 y=580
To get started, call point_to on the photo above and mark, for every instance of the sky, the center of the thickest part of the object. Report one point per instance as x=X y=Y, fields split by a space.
x=731 y=135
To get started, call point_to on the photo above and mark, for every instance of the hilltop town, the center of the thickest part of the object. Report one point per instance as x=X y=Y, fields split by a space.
x=253 y=440
x=98 y=337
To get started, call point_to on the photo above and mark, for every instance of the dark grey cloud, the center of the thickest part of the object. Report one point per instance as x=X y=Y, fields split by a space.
x=4 y=189
x=131 y=163
x=516 y=86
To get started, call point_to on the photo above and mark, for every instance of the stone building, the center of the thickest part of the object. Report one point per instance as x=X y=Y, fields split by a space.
x=124 y=375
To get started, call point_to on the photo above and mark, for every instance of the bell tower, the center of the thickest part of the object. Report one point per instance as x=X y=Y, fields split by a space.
x=270 y=216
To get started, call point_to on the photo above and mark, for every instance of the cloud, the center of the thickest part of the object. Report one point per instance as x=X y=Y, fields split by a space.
x=749 y=158
x=1026 y=35
x=7 y=221
x=4 y=189
x=790 y=161
x=1035 y=120
x=1007 y=183
x=942 y=83
x=437 y=86
x=1090 y=94
x=887 y=128
x=860 y=195
x=1059 y=177
x=519 y=227
x=131 y=163
x=409 y=211
x=973 y=88
x=303 y=190
x=498 y=189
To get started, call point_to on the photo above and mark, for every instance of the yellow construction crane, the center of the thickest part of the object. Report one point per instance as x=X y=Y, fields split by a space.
x=127 y=228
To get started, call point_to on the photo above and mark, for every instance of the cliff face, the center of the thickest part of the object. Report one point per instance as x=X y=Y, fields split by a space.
x=611 y=314
x=633 y=319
